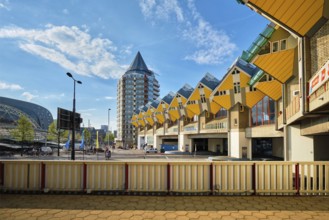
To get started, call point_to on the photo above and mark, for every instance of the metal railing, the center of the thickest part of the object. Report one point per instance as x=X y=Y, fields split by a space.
x=210 y=178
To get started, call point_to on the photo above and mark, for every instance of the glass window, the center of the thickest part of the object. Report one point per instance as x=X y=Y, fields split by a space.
x=283 y=44
x=265 y=49
x=275 y=46
x=221 y=113
x=203 y=98
x=263 y=112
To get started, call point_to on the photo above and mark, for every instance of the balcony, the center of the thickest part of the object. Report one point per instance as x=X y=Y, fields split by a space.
x=280 y=121
x=293 y=108
x=191 y=128
x=217 y=126
x=172 y=130
x=160 y=131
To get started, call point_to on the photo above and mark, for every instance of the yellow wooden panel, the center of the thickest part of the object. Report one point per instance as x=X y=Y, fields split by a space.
x=174 y=114
x=150 y=121
x=286 y=63
x=174 y=103
x=207 y=92
x=285 y=8
x=268 y=5
x=244 y=79
x=273 y=8
x=214 y=107
x=135 y=124
x=279 y=65
x=183 y=99
x=253 y=97
x=189 y=113
x=141 y=122
x=313 y=14
x=159 y=108
x=160 y=118
x=299 y=15
x=272 y=89
x=226 y=84
x=301 y=12
x=223 y=100
x=195 y=108
x=195 y=95
x=312 y=20
x=260 y=3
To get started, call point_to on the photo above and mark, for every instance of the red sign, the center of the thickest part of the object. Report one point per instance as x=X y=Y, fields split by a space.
x=316 y=82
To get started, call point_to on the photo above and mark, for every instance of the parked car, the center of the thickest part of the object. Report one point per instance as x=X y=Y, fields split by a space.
x=151 y=150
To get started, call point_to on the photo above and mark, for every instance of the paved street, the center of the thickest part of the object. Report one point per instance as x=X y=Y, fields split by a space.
x=88 y=207
x=117 y=155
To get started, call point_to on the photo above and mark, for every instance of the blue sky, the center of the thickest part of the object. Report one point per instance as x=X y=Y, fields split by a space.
x=96 y=40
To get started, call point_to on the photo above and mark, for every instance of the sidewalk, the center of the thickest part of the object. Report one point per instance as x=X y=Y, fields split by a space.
x=88 y=207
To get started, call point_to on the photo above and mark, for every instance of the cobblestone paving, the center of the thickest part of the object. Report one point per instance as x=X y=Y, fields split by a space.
x=89 y=207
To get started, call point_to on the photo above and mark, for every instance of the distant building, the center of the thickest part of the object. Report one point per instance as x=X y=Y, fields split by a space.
x=12 y=109
x=136 y=87
x=104 y=127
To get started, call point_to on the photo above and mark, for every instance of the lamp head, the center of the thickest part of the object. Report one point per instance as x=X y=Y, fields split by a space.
x=79 y=82
x=69 y=74
x=109 y=109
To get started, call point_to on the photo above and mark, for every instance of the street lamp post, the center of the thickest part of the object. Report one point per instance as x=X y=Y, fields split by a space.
x=73 y=118
x=108 y=128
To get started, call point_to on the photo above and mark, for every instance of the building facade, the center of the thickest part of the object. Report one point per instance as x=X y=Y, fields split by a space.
x=136 y=88
x=272 y=103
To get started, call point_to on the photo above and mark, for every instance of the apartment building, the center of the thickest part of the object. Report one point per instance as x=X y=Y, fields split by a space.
x=136 y=88
x=273 y=102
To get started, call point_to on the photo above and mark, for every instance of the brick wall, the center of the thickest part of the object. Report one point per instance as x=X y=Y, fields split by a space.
x=320 y=48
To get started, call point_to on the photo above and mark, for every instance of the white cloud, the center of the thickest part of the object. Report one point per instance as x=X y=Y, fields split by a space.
x=4 y=5
x=65 y=11
x=110 y=97
x=126 y=50
x=72 y=48
x=6 y=86
x=161 y=9
x=211 y=46
x=28 y=96
x=54 y=96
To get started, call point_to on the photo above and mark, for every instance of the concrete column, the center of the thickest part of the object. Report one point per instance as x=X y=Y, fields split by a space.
x=238 y=121
x=298 y=147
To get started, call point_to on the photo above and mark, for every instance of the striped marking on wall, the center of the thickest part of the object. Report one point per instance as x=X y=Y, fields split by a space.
x=64 y=176
x=104 y=176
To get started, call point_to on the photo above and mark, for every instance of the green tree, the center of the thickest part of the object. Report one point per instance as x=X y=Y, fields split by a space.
x=24 y=131
x=53 y=132
x=78 y=136
x=109 y=137
x=56 y=134
x=87 y=137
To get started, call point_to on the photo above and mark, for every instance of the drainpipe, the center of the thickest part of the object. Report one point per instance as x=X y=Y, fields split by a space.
x=305 y=105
